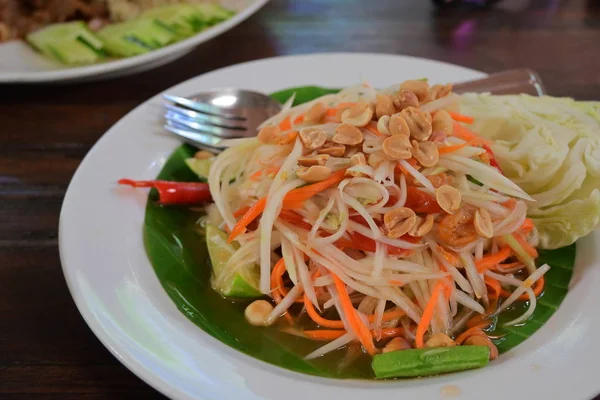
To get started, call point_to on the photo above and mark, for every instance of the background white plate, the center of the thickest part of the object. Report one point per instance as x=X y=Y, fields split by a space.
x=19 y=63
x=118 y=294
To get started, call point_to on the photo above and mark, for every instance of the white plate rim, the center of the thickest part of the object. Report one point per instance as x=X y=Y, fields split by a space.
x=537 y=351
x=154 y=57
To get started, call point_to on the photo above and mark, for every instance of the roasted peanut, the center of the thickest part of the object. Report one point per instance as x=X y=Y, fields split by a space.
x=404 y=99
x=483 y=224
x=203 y=155
x=347 y=134
x=442 y=123
x=397 y=147
x=383 y=125
x=316 y=173
x=332 y=149
x=480 y=340
x=399 y=221
x=339 y=112
x=376 y=158
x=423 y=226
x=268 y=133
x=418 y=87
x=309 y=161
x=439 y=91
x=357 y=159
x=257 y=312
x=398 y=125
x=440 y=340
x=384 y=105
x=448 y=198
x=426 y=153
x=440 y=179
x=287 y=138
x=358 y=115
x=312 y=137
x=315 y=114
x=396 y=344
x=418 y=123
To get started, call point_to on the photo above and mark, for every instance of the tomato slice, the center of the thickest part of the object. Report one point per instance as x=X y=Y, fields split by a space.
x=421 y=202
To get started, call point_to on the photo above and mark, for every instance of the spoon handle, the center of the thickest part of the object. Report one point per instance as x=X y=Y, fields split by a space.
x=514 y=81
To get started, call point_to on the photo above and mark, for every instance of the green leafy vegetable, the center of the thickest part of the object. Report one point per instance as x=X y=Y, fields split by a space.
x=176 y=247
x=550 y=147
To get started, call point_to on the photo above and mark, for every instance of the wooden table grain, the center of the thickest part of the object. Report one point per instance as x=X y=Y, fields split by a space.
x=46 y=349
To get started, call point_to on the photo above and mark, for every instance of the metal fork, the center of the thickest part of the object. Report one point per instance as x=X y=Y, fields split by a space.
x=207 y=118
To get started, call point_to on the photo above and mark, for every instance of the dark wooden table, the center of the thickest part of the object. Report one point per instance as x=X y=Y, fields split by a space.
x=46 y=349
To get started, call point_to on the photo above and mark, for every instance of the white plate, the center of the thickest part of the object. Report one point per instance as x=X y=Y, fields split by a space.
x=121 y=299
x=19 y=63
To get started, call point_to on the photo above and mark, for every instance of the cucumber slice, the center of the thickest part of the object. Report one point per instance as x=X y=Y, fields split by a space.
x=135 y=37
x=213 y=13
x=183 y=19
x=69 y=43
x=245 y=282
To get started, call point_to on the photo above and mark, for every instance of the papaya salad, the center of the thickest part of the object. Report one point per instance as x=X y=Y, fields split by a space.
x=373 y=217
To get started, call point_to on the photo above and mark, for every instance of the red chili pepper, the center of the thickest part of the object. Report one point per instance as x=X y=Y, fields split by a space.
x=493 y=161
x=174 y=193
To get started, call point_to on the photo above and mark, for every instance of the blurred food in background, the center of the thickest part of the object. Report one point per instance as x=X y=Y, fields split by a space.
x=88 y=31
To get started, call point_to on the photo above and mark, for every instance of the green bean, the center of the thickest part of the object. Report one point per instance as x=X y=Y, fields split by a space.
x=429 y=361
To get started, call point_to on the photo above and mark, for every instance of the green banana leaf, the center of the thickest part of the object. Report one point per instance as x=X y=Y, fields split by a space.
x=176 y=247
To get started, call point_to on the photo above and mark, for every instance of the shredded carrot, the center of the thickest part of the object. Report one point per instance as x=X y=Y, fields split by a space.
x=277 y=277
x=510 y=203
x=324 y=334
x=296 y=197
x=387 y=333
x=270 y=170
x=428 y=313
x=359 y=326
x=240 y=211
x=312 y=313
x=526 y=246
x=537 y=290
x=493 y=260
x=331 y=112
x=527 y=225
x=494 y=285
x=474 y=331
x=286 y=124
x=395 y=282
x=328 y=323
x=511 y=265
x=299 y=119
x=372 y=127
x=276 y=295
x=468 y=136
x=461 y=118
x=451 y=149
x=250 y=215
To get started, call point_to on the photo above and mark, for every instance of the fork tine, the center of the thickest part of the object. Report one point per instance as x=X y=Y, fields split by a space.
x=197 y=139
x=203 y=107
x=204 y=128
x=206 y=118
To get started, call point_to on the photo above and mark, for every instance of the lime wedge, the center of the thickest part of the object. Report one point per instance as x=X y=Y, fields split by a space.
x=245 y=282
x=200 y=167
